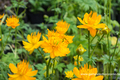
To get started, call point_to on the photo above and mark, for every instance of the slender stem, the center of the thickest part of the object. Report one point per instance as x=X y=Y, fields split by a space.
x=88 y=47
x=1 y=34
x=53 y=65
x=47 y=74
x=78 y=61
x=92 y=39
x=42 y=55
x=15 y=40
x=96 y=45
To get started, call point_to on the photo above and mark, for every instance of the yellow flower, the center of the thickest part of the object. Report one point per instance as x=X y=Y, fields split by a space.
x=23 y=71
x=0 y=39
x=34 y=42
x=55 y=46
x=67 y=39
x=1 y=16
x=80 y=49
x=113 y=40
x=91 y=22
x=69 y=74
x=85 y=73
x=62 y=27
x=12 y=21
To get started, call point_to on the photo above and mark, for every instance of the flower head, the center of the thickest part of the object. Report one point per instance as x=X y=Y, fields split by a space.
x=23 y=71
x=69 y=74
x=12 y=21
x=54 y=45
x=91 y=22
x=0 y=39
x=62 y=27
x=85 y=73
x=34 y=42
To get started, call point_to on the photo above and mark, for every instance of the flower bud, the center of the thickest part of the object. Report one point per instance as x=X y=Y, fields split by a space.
x=105 y=30
x=80 y=49
x=46 y=16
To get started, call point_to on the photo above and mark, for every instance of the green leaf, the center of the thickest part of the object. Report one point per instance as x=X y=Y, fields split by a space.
x=60 y=67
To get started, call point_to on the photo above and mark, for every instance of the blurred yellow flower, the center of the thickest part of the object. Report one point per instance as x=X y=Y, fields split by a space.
x=0 y=39
x=75 y=63
x=62 y=27
x=113 y=40
x=23 y=71
x=80 y=49
x=80 y=58
x=12 y=21
x=1 y=16
x=34 y=42
x=69 y=74
x=91 y=22
x=85 y=73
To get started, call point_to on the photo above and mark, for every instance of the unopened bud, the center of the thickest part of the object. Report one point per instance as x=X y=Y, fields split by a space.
x=105 y=30
x=80 y=49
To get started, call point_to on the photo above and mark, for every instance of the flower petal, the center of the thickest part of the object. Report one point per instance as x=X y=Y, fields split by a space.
x=82 y=26
x=100 y=25
x=76 y=72
x=86 y=17
x=13 y=68
x=81 y=20
x=77 y=79
x=92 y=31
x=32 y=73
x=98 y=78
x=98 y=20
x=13 y=76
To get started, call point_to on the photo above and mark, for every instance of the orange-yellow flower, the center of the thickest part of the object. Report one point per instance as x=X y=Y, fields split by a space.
x=69 y=74
x=85 y=73
x=23 y=71
x=1 y=16
x=62 y=27
x=12 y=21
x=0 y=39
x=55 y=46
x=91 y=22
x=65 y=38
x=34 y=42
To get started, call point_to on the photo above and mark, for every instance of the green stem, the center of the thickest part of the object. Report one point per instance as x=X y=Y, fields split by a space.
x=15 y=41
x=88 y=47
x=96 y=45
x=47 y=74
x=53 y=65
x=42 y=55
x=78 y=61
x=1 y=33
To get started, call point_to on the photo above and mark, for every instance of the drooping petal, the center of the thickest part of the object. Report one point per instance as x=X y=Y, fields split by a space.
x=92 y=32
x=13 y=68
